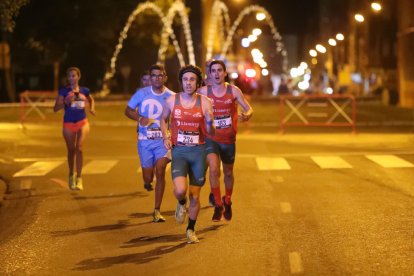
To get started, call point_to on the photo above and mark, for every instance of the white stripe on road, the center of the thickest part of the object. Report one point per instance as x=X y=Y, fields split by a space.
x=331 y=162
x=269 y=164
x=285 y=207
x=99 y=166
x=390 y=161
x=295 y=261
x=38 y=169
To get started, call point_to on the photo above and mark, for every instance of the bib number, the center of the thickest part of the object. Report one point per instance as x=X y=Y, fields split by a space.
x=188 y=137
x=222 y=121
x=78 y=105
x=154 y=133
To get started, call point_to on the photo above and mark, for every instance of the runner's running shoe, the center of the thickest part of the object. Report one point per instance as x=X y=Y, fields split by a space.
x=72 y=184
x=191 y=236
x=148 y=187
x=218 y=213
x=180 y=213
x=157 y=217
x=79 y=184
x=227 y=214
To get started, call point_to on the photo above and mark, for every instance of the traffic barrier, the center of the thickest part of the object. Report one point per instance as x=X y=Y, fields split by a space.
x=38 y=102
x=318 y=110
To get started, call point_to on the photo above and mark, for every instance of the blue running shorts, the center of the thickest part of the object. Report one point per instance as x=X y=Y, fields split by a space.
x=150 y=151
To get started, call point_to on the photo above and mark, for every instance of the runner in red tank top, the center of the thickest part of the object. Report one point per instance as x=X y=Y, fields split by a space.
x=191 y=115
x=222 y=146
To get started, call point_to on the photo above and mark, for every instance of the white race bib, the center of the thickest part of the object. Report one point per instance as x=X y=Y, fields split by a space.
x=78 y=104
x=154 y=133
x=221 y=122
x=188 y=137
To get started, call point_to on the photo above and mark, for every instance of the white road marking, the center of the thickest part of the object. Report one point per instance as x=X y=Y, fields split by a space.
x=99 y=166
x=295 y=261
x=285 y=207
x=390 y=161
x=331 y=162
x=269 y=164
x=38 y=169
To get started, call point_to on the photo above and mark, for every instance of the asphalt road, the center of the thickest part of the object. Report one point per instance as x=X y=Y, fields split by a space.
x=307 y=202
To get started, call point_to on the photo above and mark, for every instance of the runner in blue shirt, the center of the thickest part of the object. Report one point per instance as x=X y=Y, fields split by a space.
x=72 y=99
x=146 y=106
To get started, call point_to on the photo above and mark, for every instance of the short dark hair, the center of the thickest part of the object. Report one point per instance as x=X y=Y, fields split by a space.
x=217 y=61
x=193 y=69
x=157 y=67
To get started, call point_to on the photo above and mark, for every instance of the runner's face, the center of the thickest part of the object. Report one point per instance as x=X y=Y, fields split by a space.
x=146 y=80
x=217 y=73
x=189 y=82
x=73 y=78
x=158 y=79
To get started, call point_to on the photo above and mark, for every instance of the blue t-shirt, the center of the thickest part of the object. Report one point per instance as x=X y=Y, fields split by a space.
x=150 y=105
x=76 y=111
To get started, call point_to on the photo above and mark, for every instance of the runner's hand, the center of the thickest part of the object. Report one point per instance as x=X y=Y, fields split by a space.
x=244 y=117
x=167 y=143
x=92 y=111
x=144 y=121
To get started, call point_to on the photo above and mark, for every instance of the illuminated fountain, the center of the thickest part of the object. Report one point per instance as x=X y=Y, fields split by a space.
x=220 y=16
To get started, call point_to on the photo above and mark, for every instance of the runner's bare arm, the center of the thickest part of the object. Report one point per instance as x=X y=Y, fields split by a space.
x=131 y=113
x=208 y=115
x=59 y=103
x=91 y=104
x=166 y=111
x=241 y=100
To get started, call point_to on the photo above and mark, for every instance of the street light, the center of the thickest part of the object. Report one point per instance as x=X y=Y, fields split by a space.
x=340 y=37
x=332 y=42
x=359 y=17
x=376 y=6
x=260 y=16
x=313 y=53
x=257 y=32
x=320 y=48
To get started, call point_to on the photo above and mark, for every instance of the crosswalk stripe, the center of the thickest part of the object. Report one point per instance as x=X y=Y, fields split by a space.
x=390 y=161
x=269 y=164
x=38 y=168
x=331 y=162
x=99 y=166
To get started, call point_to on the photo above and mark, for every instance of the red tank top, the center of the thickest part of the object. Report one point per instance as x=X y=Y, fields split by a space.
x=187 y=123
x=225 y=116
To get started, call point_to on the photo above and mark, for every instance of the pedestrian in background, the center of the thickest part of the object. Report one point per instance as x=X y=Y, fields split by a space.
x=145 y=79
x=191 y=114
x=72 y=98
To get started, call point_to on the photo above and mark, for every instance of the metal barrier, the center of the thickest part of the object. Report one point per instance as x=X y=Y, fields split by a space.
x=32 y=101
x=317 y=110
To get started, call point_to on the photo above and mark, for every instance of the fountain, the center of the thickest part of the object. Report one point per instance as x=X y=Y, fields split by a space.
x=226 y=33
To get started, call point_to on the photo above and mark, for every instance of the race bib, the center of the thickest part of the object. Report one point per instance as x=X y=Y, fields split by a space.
x=154 y=133
x=188 y=137
x=221 y=122
x=78 y=104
